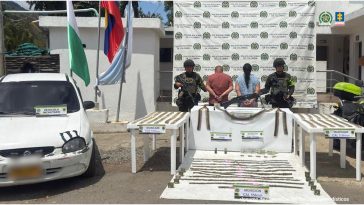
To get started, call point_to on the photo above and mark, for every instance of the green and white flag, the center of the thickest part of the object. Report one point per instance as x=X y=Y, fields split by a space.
x=78 y=61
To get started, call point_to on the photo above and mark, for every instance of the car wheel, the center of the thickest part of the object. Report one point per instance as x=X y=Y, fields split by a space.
x=91 y=170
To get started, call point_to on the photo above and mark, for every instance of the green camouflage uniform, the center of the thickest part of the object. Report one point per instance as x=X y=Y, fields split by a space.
x=280 y=86
x=191 y=84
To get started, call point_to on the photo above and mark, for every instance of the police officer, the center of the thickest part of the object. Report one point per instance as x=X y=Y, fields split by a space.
x=188 y=82
x=280 y=85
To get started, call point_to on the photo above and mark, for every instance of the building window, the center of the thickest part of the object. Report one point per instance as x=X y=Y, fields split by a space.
x=165 y=55
x=321 y=53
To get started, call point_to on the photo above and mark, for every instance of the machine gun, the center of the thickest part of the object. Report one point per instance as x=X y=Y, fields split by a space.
x=239 y=99
x=184 y=91
x=270 y=99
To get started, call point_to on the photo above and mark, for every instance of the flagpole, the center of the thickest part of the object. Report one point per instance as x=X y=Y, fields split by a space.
x=124 y=61
x=97 y=56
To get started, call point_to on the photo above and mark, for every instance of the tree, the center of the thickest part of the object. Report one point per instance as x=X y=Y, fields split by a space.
x=47 y=5
x=61 y=5
x=168 y=8
x=20 y=28
x=149 y=14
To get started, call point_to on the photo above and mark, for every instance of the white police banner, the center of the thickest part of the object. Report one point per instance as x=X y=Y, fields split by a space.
x=232 y=33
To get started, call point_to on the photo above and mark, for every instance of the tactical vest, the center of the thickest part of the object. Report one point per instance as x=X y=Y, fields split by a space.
x=191 y=82
x=280 y=84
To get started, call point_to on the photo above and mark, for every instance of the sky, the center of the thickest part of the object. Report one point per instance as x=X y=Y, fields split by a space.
x=147 y=6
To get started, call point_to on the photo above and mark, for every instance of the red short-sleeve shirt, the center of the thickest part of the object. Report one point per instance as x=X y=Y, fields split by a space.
x=219 y=83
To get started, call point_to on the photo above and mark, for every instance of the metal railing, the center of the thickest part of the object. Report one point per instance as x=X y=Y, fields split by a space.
x=331 y=80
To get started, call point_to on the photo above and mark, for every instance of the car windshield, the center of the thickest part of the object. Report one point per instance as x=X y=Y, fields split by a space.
x=22 y=97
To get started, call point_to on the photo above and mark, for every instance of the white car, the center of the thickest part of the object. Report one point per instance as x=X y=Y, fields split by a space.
x=44 y=130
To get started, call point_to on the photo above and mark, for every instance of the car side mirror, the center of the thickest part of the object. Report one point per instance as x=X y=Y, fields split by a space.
x=88 y=105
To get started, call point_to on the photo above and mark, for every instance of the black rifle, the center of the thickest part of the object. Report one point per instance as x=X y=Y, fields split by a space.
x=281 y=96
x=239 y=99
x=184 y=90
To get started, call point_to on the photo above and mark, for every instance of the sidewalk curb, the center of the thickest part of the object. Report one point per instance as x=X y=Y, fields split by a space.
x=110 y=127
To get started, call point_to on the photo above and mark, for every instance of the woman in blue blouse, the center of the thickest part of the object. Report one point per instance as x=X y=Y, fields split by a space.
x=247 y=84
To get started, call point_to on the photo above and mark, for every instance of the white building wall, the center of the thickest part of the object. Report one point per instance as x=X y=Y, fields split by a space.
x=140 y=92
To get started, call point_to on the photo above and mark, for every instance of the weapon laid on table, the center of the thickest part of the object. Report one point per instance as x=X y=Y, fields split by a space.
x=239 y=99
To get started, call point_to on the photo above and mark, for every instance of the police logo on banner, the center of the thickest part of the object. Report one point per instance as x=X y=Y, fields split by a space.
x=225 y=4
x=235 y=35
x=254 y=46
x=283 y=24
x=253 y=4
x=292 y=14
x=310 y=47
x=235 y=57
x=178 y=35
x=254 y=24
x=225 y=46
x=283 y=46
x=225 y=24
x=311 y=24
x=205 y=77
x=197 y=46
x=263 y=14
x=197 y=25
x=264 y=56
x=226 y=67
x=310 y=91
x=206 y=35
x=325 y=19
x=197 y=4
x=178 y=57
x=235 y=14
x=234 y=77
x=206 y=14
x=264 y=78
x=178 y=14
x=263 y=35
x=293 y=57
x=197 y=67
x=310 y=68
x=293 y=35
x=206 y=57
x=255 y=67
x=282 y=4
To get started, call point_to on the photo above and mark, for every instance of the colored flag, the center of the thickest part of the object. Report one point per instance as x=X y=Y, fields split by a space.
x=77 y=57
x=114 y=31
x=115 y=72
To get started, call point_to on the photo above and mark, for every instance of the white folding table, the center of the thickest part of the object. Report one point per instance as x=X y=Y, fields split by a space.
x=158 y=123
x=329 y=125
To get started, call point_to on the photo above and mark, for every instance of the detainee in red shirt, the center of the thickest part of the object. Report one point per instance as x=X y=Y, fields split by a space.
x=219 y=85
